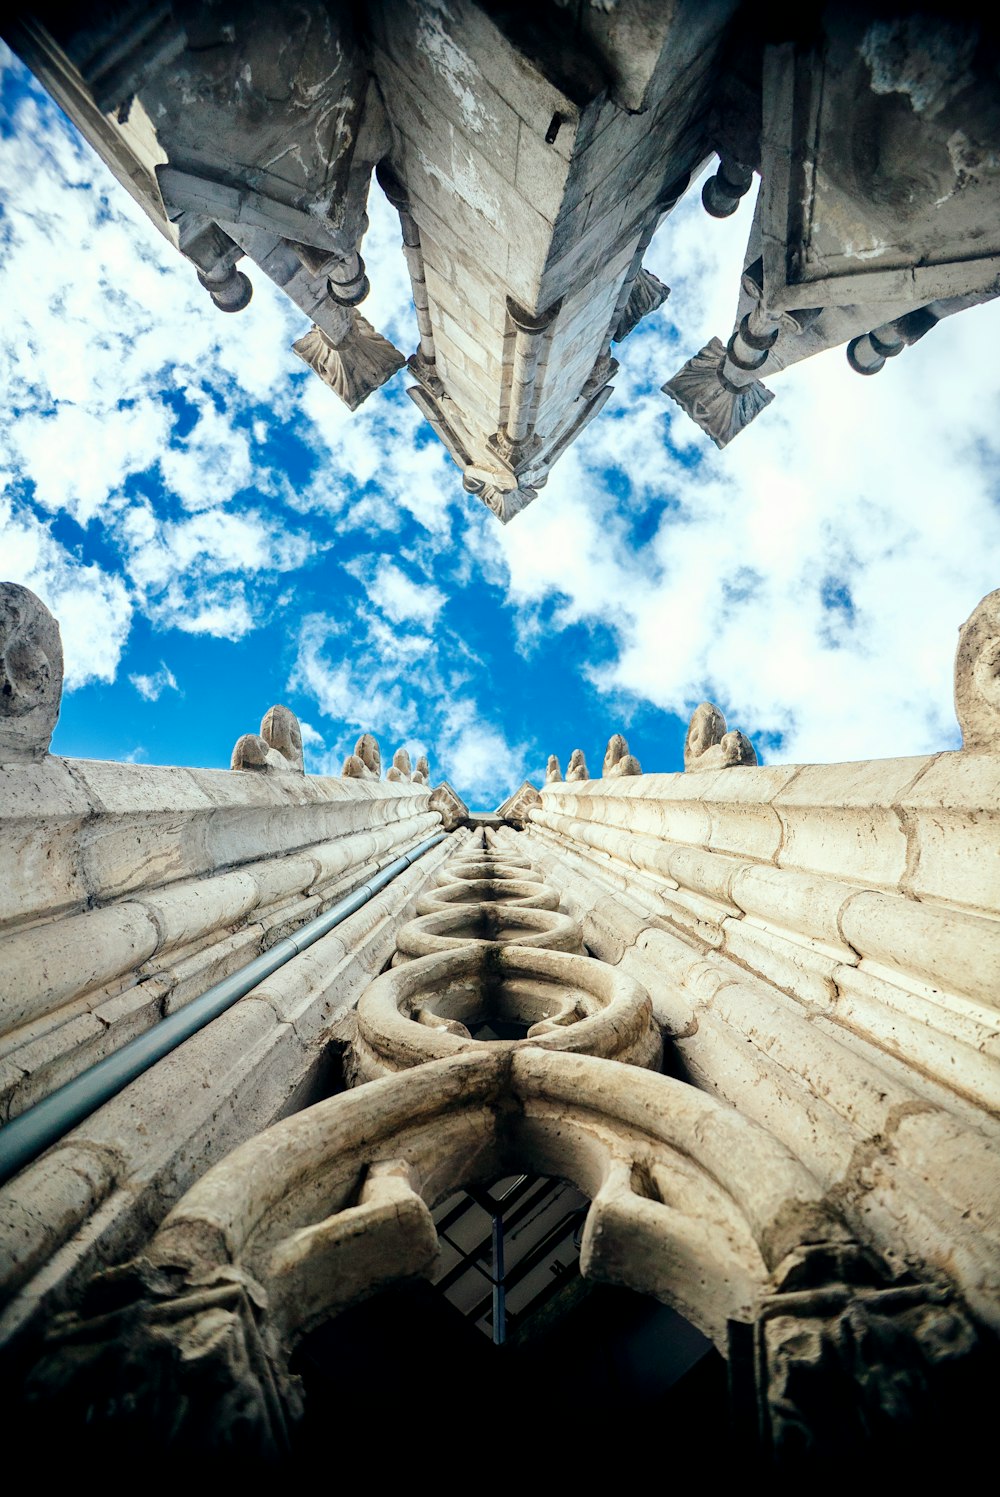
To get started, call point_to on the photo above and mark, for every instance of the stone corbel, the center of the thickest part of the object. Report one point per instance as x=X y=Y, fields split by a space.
x=278 y=745
x=977 y=676
x=618 y=761
x=31 y=674
x=646 y=294
x=709 y=745
x=355 y=366
x=366 y=761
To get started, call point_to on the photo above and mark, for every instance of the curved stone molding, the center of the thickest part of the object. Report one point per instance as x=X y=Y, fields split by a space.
x=553 y=772
x=487 y=923
x=31 y=674
x=710 y=746
x=617 y=759
x=431 y=1007
x=459 y=870
x=977 y=675
x=278 y=745
x=577 y=767
x=366 y=761
x=518 y=893
x=691 y=1203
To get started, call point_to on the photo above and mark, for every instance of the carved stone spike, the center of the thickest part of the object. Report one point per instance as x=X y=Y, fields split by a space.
x=648 y=292
x=977 y=675
x=278 y=745
x=617 y=760
x=708 y=744
x=354 y=368
x=366 y=761
x=400 y=766
x=720 y=409
x=553 y=771
x=31 y=674
x=577 y=767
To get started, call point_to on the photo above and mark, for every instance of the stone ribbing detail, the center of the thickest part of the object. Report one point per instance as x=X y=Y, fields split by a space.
x=823 y=948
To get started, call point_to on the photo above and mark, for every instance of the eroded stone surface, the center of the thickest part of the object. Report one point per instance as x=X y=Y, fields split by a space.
x=710 y=746
x=31 y=674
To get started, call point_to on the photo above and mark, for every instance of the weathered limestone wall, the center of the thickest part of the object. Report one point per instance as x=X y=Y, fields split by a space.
x=129 y=889
x=218 y=866
x=822 y=944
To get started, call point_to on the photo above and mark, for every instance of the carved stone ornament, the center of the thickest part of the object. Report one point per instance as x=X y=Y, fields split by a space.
x=366 y=761
x=278 y=745
x=577 y=767
x=449 y=806
x=520 y=804
x=647 y=294
x=31 y=674
x=721 y=409
x=422 y=774
x=400 y=768
x=710 y=746
x=977 y=676
x=506 y=503
x=355 y=367
x=618 y=761
x=553 y=771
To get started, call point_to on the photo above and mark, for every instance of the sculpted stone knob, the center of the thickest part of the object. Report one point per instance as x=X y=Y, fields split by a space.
x=366 y=761
x=31 y=674
x=553 y=772
x=977 y=675
x=617 y=760
x=400 y=766
x=710 y=746
x=278 y=745
x=577 y=767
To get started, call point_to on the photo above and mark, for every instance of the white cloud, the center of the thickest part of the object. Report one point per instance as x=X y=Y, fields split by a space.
x=152 y=687
x=396 y=595
x=93 y=608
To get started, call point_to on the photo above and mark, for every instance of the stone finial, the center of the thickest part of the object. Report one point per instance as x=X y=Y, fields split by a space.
x=708 y=744
x=553 y=771
x=278 y=745
x=400 y=766
x=577 y=767
x=977 y=675
x=31 y=674
x=422 y=774
x=366 y=761
x=617 y=760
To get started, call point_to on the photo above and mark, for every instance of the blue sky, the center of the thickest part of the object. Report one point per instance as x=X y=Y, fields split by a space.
x=215 y=532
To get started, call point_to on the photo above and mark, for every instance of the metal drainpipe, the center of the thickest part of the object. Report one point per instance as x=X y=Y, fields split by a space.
x=24 y=1139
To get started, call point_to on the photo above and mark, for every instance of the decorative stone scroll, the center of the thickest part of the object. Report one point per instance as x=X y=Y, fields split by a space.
x=31 y=674
x=518 y=808
x=577 y=767
x=618 y=761
x=719 y=407
x=354 y=367
x=366 y=761
x=977 y=675
x=709 y=745
x=278 y=745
